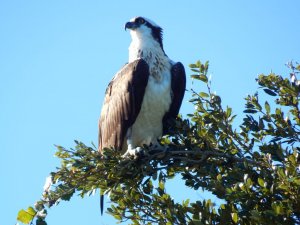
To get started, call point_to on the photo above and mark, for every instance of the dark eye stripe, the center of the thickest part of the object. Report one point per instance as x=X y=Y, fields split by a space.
x=140 y=20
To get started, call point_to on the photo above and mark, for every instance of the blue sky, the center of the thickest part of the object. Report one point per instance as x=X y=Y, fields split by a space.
x=56 y=58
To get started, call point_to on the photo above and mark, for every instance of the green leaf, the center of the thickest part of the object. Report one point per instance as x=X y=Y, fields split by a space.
x=234 y=217
x=228 y=111
x=31 y=211
x=203 y=78
x=161 y=185
x=249 y=182
x=203 y=95
x=26 y=216
x=252 y=111
x=278 y=111
x=267 y=107
x=281 y=173
x=193 y=66
x=195 y=76
x=261 y=182
x=206 y=65
x=270 y=92
x=117 y=216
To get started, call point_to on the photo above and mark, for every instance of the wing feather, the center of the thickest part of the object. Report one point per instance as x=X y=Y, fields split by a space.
x=178 y=84
x=122 y=104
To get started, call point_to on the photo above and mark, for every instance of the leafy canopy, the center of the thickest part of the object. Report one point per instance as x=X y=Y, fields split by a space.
x=254 y=170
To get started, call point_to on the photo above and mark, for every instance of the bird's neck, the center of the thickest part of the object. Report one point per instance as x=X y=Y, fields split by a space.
x=151 y=51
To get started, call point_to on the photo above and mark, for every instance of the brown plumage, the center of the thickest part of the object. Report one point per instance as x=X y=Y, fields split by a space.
x=122 y=104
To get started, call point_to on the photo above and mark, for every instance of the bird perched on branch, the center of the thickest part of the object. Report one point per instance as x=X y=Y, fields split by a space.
x=144 y=96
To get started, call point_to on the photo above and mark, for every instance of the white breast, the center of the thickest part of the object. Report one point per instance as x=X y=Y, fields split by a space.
x=157 y=99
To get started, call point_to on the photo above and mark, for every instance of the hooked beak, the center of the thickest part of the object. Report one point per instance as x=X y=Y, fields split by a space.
x=131 y=25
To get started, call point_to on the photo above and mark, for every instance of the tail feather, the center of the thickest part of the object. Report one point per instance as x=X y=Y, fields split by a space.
x=101 y=203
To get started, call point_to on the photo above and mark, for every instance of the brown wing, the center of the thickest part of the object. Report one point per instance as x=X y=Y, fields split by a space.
x=122 y=104
x=178 y=83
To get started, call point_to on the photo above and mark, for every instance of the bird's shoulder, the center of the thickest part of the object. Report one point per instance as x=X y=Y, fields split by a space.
x=133 y=72
x=177 y=67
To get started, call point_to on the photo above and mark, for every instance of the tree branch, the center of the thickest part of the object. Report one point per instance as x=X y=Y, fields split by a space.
x=163 y=154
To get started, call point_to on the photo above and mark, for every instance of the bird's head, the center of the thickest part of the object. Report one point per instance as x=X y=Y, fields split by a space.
x=143 y=28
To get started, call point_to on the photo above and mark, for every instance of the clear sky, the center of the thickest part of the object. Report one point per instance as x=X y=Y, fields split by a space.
x=56 y=58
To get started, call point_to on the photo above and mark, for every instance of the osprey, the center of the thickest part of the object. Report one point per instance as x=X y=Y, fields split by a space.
x=144 y=96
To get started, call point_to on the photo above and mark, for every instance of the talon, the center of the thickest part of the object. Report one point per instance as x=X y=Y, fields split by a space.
x=135 y=153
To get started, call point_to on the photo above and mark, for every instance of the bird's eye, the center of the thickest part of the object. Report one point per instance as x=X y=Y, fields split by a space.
x=140 y=20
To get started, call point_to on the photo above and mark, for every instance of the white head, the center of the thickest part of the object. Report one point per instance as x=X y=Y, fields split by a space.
x=143 y=29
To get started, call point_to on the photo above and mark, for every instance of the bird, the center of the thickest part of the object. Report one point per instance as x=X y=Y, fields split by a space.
x=144 y=97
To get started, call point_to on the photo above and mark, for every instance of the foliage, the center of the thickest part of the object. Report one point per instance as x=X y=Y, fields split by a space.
x=255 y=170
